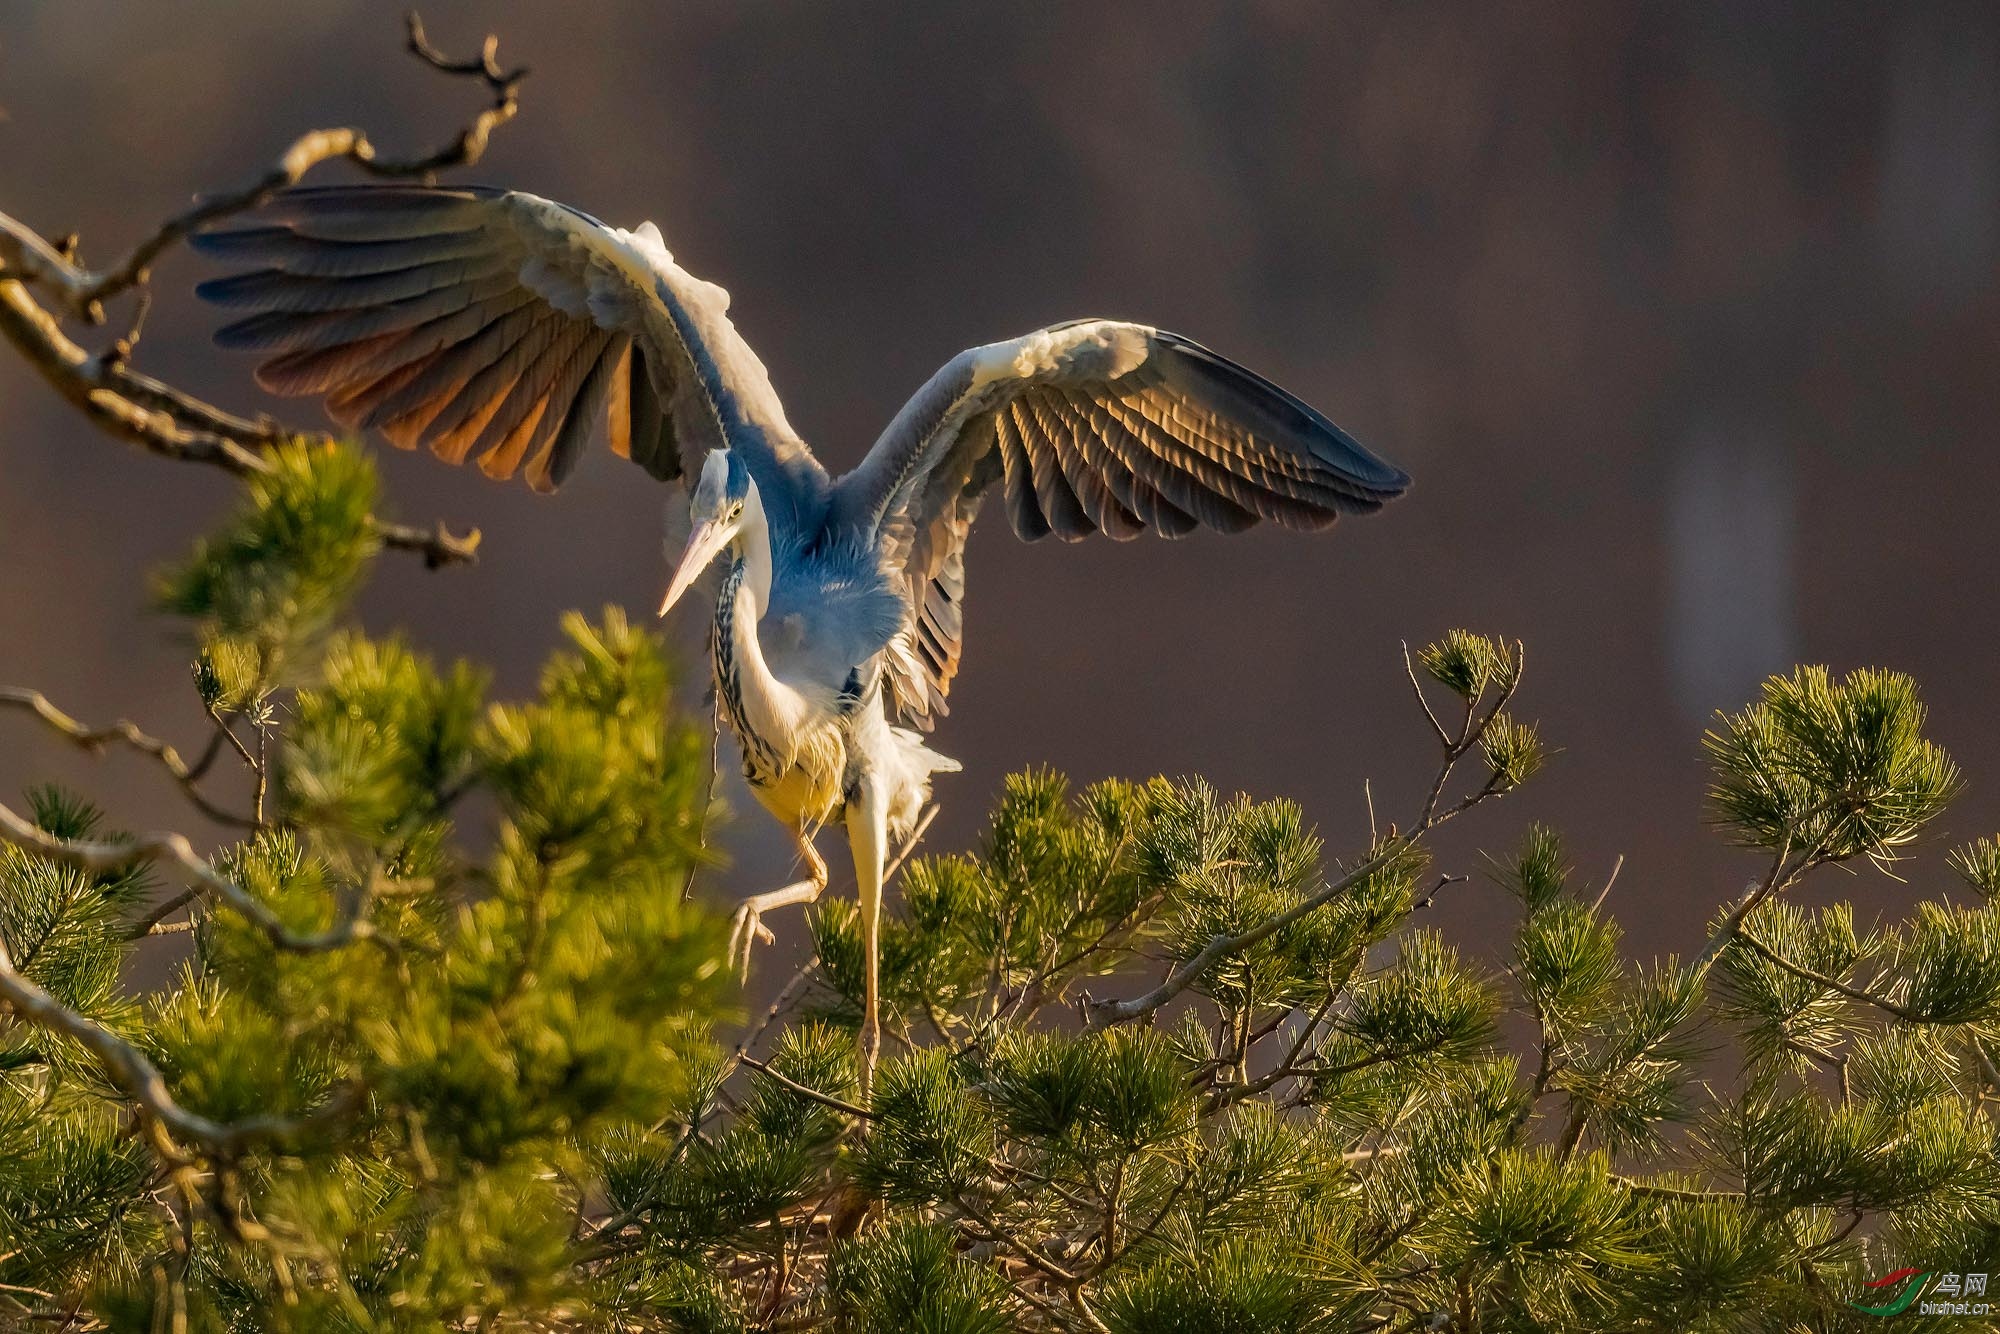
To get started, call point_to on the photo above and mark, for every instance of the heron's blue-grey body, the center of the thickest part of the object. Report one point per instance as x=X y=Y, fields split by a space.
x=496 y=324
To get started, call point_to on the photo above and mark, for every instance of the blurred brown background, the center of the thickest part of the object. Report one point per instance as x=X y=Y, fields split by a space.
x=1684 y=316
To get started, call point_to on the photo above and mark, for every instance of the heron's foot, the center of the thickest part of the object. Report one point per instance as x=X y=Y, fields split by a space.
x=746 y=928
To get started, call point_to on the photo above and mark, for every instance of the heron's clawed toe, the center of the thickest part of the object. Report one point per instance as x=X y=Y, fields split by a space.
x=745 y=929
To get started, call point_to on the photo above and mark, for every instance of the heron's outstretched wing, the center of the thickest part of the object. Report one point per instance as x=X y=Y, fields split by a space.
x=497 y=324
x=1091 y=426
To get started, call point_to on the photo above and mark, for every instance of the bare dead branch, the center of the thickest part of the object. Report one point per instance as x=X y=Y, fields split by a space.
x=95 y=739
x=1429 y=897
x=708 y=800
x=486 y=67
x=916 y=836
x=170 y=422
x=786 y=995
x=152 y=923
x=164 y=421
x=100 y=391
x=26 y=256
x=1610 y=880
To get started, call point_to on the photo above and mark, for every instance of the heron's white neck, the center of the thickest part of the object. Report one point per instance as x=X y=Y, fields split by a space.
x=772 y=712
x=753 y=548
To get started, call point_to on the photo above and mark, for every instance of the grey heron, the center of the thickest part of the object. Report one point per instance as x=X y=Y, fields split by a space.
x=492 y=323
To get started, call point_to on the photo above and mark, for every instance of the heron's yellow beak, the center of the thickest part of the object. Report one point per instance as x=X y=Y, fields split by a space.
x=705 y=543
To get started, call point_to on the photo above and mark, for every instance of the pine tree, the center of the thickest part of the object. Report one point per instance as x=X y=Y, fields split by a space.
x=372 y=1095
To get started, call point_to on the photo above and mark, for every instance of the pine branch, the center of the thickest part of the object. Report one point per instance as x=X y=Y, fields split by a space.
x=1113 y=1253
x=1502 y=664
x=1474 y=727
x=809 y=1094
x=1103 y=1014
x=1423 y=702
x=1798 y=970
x=996 y=1233
x=1547 y=1067
x=1033 y=994
x=141 y=1082
x=1291 y=1065
x=1784 y=873
x=1638 y=1187
x=174 y=849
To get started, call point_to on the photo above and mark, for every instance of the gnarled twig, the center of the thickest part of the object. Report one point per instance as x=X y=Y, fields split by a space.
x=95 y=739
x=170 y=422
x=26 y=255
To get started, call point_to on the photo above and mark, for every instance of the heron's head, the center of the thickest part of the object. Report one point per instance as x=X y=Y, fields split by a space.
x=723 y=495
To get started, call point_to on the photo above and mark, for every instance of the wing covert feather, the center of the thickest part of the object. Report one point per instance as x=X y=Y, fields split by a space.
x=1095 y=426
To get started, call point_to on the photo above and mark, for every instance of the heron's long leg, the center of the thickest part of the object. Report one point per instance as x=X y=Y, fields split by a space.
x=748 y=925
x=868 y=839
